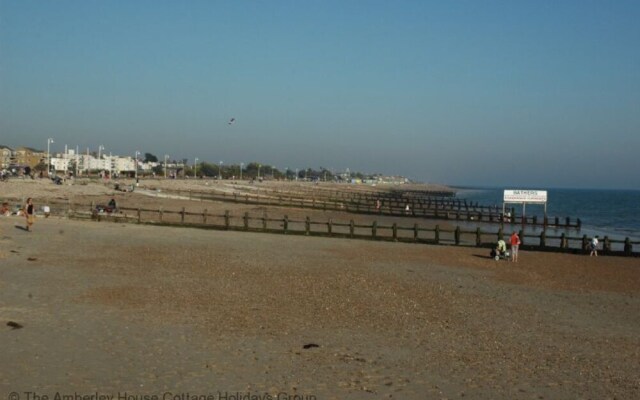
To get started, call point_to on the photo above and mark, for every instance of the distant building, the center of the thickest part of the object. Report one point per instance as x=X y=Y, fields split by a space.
x=6 y=157
x=26 y=156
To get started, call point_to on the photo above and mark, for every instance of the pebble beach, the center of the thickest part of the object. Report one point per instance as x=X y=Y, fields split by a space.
x=112 y=308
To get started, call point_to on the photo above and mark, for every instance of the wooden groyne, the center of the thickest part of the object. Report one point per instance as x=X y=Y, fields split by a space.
x=283 y=225
x=383 y=204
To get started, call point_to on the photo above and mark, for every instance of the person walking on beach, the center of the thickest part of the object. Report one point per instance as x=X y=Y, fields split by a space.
x=28 y=213
x=594 y=246
x=515 y=245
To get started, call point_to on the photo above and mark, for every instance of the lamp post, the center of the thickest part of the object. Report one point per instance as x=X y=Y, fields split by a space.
x=241 y=166
x=137 y=154
x=49 y=141
x=77 y=161
x=166 y=157
x=195 y=167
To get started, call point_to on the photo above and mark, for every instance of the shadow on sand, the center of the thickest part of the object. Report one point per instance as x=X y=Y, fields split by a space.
x=483 y=256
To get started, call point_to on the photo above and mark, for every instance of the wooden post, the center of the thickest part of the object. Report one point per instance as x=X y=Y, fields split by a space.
x=606 y=245
x=437 y=234
x=557 y=221
x=394 y=229
x=351 y=228
x=543 y=239
x=246 y=221
x=563 y=241
x=285 y=224
x=568 y=221
x=578 y=223
x=628 y=248
x=307 y=226
x=329 y=227
x=457 y=235
x=585 y=243
x=182 y=216
x=226 y=220
x=478 y=237
x=374 y=229
x=416 y=230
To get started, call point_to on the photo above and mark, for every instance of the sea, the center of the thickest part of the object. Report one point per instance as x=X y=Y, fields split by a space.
x=612 y=213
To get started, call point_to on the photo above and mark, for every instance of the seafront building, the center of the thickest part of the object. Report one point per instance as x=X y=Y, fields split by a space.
x=68 y=162
x=6 y=157
x=72 y=162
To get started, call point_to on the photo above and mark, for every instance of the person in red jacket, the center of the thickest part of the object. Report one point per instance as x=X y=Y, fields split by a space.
x=515 y=244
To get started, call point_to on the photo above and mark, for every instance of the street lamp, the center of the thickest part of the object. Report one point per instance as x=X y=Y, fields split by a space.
x=241 y=166
x=110 y=166
x=49 y=141
x=195 y=167
x=137 y=154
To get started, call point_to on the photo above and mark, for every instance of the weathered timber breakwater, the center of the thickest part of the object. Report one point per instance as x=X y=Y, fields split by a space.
x=419 y=204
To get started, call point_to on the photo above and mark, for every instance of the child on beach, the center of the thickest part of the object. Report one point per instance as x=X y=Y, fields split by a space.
x=594 y=246
x=515 y=244
x=29 y=213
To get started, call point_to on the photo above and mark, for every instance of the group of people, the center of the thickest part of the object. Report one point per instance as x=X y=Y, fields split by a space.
x=514 y=241
x=27 y=210
x=501 y=248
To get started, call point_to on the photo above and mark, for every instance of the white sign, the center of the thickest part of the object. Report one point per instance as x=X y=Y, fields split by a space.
x=525 y=196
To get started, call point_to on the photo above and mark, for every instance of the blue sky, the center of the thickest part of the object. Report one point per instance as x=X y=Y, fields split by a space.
x=500 y=93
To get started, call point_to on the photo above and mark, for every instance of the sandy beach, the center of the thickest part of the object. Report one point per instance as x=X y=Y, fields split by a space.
x=110 y=308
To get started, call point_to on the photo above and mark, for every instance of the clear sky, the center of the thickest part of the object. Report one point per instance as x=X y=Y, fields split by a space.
x=529 y=94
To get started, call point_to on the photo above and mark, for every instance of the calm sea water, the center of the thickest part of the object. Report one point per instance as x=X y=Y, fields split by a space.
x=615 y=213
